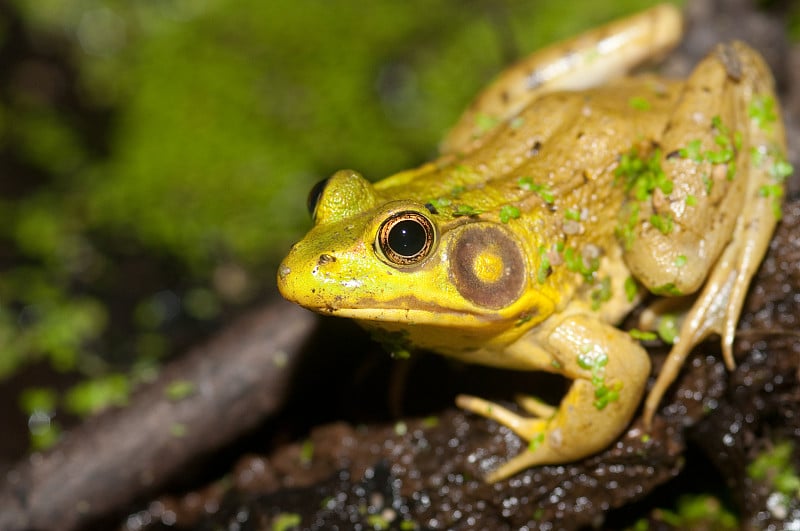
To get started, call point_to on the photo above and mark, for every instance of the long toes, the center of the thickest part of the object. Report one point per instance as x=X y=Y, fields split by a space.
x=536 y=407
x=526 y=427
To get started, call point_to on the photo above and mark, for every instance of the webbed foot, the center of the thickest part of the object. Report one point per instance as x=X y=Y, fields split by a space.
x=609 y=371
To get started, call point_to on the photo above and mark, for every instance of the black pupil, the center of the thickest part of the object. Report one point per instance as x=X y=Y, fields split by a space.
x=407 y=238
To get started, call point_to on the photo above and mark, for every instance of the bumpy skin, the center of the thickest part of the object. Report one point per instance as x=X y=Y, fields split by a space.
x=543 y=231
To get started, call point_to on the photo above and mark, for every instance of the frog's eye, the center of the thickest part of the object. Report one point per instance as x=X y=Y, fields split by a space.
x=314 y=196
x=406 y=238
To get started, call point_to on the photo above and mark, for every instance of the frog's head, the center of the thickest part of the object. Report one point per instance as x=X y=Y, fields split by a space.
x=445 y=281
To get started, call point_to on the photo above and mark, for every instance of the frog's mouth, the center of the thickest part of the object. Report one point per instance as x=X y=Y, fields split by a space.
x=409 y=312
x=439 y=316
x=405 y=310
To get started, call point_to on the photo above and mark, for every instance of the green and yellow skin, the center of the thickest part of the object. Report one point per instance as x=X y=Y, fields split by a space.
x=526 y=243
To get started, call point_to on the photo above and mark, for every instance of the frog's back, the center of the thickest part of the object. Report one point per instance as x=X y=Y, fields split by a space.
x=557 y=156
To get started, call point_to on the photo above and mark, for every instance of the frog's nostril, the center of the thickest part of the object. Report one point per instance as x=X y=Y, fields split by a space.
x=325 y=258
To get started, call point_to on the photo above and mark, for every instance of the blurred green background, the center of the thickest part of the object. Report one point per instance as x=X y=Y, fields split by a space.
x=156 y=156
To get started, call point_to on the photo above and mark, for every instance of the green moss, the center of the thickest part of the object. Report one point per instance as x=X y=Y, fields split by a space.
x=667 y=289
x=762 y=111
x=699 y=511
x=595 y=362
x=662 y=222
x=626 y=226
x=542 y=190
x=466 y=210
x=601 y=293
x=286 y=522
x=396 y=343
x=668 y=328
x=775 y=466
x=642 y=335
x=97 y=394
x=38 y=399
x=639 y=103
x=377 y=522
x=577 y=263
x=631 y=288
x=544 y=266
x=179 y=389
x=307 y=452
x=692 y=151
x=509 y=212
x=642 y=176
x=535 y=442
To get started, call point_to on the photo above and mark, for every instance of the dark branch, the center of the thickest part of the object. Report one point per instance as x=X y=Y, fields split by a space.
x=238 y=378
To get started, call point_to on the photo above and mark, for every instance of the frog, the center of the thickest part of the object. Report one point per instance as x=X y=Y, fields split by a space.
x=570 y=191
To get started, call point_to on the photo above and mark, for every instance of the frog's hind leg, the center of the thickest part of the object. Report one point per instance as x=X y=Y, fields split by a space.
x=587 y=60
x=609 y=371
x=724 y=149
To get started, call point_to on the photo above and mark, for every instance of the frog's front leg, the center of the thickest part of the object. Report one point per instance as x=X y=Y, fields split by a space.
x=609 y=371
x=723 y=155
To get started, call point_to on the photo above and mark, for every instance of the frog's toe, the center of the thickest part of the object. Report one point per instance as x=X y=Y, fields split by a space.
x=558 y=438
x=517 y=464
x=526 y=427
x=674 y=308
x=536 y=407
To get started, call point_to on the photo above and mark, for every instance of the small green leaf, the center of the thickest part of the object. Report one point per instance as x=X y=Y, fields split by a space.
x=639 y=103
x=485 y=123
x=692 y=151
x=516 y=122
x=179 y=389
x=668 y=328
x=440 y=203
x=431 y=421
x=780 y=170
x=286 y=521
x=542 y=190
x=762 y=111
x=667 y=289
x=95 y=395
x=508 y=212
x=661 y=222
x=459 y=189
x=601 y=294
x=631 y=289
x=178 y=430
x=307 y=452
x=466 y=210
x=38 y=400
x=535 y=442
x=378 y=522
x=641 y=335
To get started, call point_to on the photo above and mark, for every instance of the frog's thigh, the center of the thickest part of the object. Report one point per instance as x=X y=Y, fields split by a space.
x=587 y=60
x=739 y=219
x=609 y=371
x=707 y=199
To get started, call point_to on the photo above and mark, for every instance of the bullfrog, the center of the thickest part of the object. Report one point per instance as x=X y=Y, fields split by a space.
x=568 y=191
